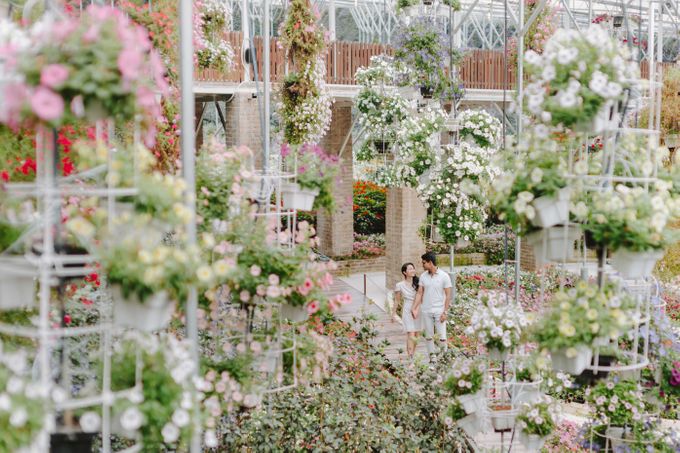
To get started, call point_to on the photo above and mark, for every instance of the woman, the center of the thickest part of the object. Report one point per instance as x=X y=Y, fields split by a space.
x=406 y=290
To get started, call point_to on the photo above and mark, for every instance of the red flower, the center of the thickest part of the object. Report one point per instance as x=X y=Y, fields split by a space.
x=4 y=175
x=67 y=319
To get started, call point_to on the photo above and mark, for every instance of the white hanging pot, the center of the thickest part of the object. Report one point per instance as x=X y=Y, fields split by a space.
x=552 y=210
x=525 y=392
x=498 y=355
x=472 y=402
x=411 y=11
x=462 y=243
x=633 y=265
x=572 y=365
x=672 y=140
x=295 y=197
x=617 y=436
x=607 y=118
x=532 y=442
x=502 y=419
x=148 y=316
x=294 y=313
x=436 y=235
x=17 y=282
x=557 y=247
x=472 y=424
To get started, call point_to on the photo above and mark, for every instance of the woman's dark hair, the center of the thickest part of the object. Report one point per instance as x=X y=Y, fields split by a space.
x=415 y=277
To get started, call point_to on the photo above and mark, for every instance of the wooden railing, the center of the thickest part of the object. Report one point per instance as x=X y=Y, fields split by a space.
x=480 y=69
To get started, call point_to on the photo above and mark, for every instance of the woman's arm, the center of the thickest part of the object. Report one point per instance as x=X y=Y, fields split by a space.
x=416 y=303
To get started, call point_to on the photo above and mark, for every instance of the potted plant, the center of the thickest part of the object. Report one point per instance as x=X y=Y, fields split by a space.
x=526 y=385
x=533 y=190
x=536 y=422
x=631 y=222
x=471 y=424
x=315 y=177
x=64 y=67
x=604 y=70
x=503 y=415
x=497 y=325
x=160 y=410
x=617 y=405
x=380 y=112
x=23 y=404
x=481 y=127
x=465 y=384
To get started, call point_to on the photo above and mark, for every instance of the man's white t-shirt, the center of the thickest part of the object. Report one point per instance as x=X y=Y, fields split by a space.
x=433 y=291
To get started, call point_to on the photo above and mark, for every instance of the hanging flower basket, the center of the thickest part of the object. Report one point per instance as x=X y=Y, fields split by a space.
x=672 y=141
x=575 y=364
x=148 y=316
x=472 y=424
x=436 y=235
x=17 y=282
x=294 y=313
x=552 y=210
x=498 y=355
x=295 y=197
x=557 y=246
x=472 y=402
x=532 y=442
x=427 y=92
x=502 y=417
x=525 y=392
x=633 y=265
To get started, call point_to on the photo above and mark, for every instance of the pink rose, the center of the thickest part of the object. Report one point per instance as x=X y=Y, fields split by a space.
x=255 y=270
x=46 y=104
x=53 y=75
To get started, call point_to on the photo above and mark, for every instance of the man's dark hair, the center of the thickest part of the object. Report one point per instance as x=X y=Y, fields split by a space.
x=430 y=257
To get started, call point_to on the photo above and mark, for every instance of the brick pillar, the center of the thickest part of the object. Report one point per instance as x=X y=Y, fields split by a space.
x=336 y=229
x=527 y=262
x=405 y=215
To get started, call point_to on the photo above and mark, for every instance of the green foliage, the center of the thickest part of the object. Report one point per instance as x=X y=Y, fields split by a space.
x=9 y=234
x=368 y=404
x=14 y=435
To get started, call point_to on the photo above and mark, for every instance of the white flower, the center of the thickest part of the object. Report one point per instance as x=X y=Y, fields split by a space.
x=180 y=418
x=567 y=99
x=14 y=385
x=5 y=402
x=170 y=433
x=210 y=439
x=131 y=419
x=18 y=418
x=548 y=73
x=90 y=422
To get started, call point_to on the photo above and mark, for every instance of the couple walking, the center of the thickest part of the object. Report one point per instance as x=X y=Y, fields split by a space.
x=426 y=302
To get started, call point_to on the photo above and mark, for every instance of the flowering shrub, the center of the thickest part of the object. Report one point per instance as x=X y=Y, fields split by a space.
x=454 y=191
x=576 y=76
x=670 y=375
x=616 y=403
x=381 y=112
x=22 y=404
x=315 y=170
x=369 y=204
x=368 y=246
x=539 y=170
x=466 y=378
x=632 y=218
x=484 y=129
x=216 y=52
x=565 y=438
x=63 y=74
x=538 y=418
x=496 y=323
x=384 y=70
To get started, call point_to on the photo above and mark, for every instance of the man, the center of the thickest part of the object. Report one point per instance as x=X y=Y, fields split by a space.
x=434 y=294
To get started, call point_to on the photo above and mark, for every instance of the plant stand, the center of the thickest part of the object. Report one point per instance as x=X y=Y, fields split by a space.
x=17 y=282
x=635 y=265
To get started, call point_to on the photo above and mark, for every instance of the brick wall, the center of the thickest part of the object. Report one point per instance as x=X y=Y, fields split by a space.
x=527 y=262
x=335 y=229
x=405 y=214
x=349 y=267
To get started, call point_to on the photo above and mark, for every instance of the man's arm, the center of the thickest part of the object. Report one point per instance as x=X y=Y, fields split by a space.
x=447 y=301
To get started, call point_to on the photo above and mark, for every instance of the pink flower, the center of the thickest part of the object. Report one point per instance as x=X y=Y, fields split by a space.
x=46 y=104
x=77 y=106
x=261 y=290
x=274 y=279
x=244 y=296
x=273 y=291
x=313 y=307
x=62 y=29
x=285 y=150
x=130 y=63
x=306 y=287
x=91 y=35
x=15 y=95
x=53 y=75
x=255 y=270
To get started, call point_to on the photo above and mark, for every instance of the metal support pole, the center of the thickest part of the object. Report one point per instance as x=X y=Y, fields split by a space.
x=188 y=162
x=245 y=28
x=266 y=82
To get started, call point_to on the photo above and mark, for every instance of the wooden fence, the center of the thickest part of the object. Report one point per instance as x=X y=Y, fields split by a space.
x=480 y=69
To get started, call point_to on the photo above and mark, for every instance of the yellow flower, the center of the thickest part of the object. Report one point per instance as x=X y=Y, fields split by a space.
x=221 y=268
x=571 y=352
x=144 y=256
x=81 y=227
x=204 y=273
x=179 y=256
x=567 y=330
x=591 y=314
x=594 y=327
x=581 y=285
x=208 y=240
x=160 y=254
x=152 y=275
x=113 y=178
x=565 y=305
